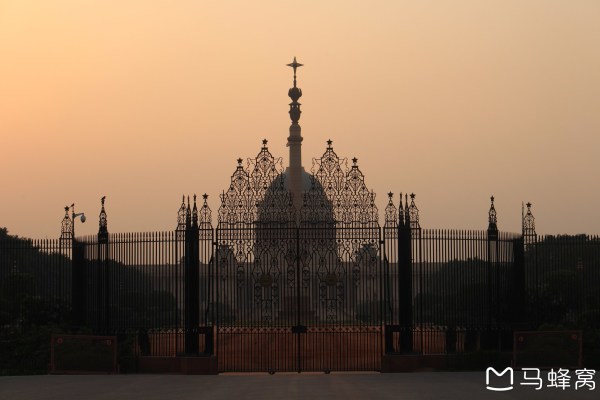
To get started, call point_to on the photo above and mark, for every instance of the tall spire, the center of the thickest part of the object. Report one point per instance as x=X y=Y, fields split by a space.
x=295 y=140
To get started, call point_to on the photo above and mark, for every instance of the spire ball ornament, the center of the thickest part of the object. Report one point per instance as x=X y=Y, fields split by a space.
x=295 y=93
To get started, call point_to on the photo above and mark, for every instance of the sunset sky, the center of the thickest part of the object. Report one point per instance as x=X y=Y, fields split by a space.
x=143 y=101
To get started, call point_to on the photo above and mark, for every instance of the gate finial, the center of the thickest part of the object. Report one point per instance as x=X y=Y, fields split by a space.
x=391 y=213
x=102 y=223
x=195 y=213
x=492 y=220
x=528 y=223
x=66 y=228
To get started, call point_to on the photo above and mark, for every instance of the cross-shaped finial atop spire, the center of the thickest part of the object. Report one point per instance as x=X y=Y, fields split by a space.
x=295 y=64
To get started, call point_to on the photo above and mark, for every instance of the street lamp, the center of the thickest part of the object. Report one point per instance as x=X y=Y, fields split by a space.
x=74 y=215
x=77 y=272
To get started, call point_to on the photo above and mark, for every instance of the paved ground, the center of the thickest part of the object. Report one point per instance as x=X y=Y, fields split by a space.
x=434 y=385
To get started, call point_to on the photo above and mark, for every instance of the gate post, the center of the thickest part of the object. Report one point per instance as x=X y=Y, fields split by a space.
x=405 y=281
x=208 y=252
x=78 y=292
x=492 y=249
x=191 y=272
x=518 y=296
x=103 y=282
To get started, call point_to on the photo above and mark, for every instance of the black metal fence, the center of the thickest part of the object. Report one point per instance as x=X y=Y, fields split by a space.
x=277 y=286
x=298 y=298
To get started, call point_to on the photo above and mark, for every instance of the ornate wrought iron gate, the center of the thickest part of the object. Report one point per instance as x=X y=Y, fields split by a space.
x=298 y=288
x=298 y=298
x=295 y=299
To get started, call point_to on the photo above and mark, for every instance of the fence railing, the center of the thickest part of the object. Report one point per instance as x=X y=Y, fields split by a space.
x=434 y=290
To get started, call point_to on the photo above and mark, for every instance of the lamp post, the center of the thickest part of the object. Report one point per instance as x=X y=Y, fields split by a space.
x=78 y=297
x=74 y=215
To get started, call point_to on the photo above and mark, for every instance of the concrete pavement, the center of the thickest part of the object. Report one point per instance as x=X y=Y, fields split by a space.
x=306 y=386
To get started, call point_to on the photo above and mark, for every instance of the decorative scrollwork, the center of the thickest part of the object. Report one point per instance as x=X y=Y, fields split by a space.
x=330 y=171
x=66 y=226
x=492 y=217
x=391 y=212
x=102 y=222
x=265 y=169
x=259 y=196
x=205 y=218
x=338 y=192
x=329 y=252
x=331 y=276
x=181 y=216
x=316 y=207
x=236 y=203
x=528 y=223
x=413 y=213
x=266 y=275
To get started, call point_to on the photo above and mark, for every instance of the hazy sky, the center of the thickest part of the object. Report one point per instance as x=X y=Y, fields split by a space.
x=142 y=101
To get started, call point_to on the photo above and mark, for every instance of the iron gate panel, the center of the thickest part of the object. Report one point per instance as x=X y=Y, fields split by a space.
x=298 y=284
x=297 y=299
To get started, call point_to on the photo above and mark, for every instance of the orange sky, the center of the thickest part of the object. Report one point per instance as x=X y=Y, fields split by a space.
x=455 y=100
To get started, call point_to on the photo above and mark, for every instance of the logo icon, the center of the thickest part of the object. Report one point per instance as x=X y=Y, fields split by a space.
x=488 y=372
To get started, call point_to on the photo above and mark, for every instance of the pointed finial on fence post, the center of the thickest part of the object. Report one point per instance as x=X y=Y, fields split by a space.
x=413 y=213
x=492 y=221
x=529 y=233
x=181 y=215
x=188 y=214
x=391 y=213
x=66 y=226
x=195 y=213
x=205 y=217
x=102 y=223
